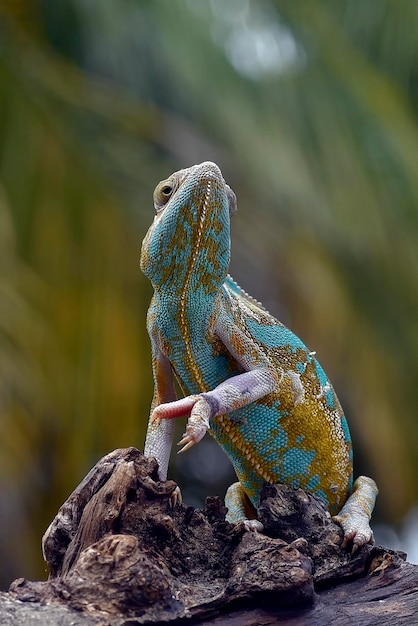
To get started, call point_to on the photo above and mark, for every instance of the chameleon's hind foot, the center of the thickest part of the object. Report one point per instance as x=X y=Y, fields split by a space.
x=355 y=515
x=240 y=509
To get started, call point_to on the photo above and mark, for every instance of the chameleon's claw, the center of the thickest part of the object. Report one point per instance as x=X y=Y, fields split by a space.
x=155 y=419
x=197 y=425
x=176 y=497
x=194 y=433
x=253 y=525
x=158 y=414
x=187 y=442
x=358 y=539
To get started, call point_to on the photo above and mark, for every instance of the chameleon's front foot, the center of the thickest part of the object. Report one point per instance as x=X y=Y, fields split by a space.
x=176 y=497
x=355 y=515
x=197 y=424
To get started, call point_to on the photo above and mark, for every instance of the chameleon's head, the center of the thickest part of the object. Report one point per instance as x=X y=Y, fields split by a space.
x=188 y=245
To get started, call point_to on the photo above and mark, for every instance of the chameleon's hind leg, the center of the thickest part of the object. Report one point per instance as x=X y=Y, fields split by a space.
x=240 y=508
x=355 y=515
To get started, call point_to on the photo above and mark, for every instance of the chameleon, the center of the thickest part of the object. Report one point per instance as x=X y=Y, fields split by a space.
x=246 y=378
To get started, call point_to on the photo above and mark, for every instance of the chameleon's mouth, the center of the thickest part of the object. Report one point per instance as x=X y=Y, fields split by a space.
x=232 y=200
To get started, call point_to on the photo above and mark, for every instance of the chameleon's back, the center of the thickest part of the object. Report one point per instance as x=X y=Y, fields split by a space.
x=297 y=434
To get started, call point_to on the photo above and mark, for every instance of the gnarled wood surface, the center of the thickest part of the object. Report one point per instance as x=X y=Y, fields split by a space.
x=118 y=554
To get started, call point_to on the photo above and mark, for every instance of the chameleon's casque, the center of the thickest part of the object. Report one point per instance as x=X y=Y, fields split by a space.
x=245 y=376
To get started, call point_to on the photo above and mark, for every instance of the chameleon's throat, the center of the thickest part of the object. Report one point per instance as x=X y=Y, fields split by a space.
x=183 y=314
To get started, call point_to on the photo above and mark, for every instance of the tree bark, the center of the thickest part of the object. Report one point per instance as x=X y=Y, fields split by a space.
x=119 y=554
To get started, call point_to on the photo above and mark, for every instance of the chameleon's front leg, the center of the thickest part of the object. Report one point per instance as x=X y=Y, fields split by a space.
x=229 y=396
x=198 y=410
x=159 y=438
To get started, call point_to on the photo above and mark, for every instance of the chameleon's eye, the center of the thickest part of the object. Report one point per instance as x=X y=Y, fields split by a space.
x=163 y=193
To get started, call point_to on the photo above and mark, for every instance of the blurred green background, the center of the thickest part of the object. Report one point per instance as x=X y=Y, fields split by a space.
x=310 y=109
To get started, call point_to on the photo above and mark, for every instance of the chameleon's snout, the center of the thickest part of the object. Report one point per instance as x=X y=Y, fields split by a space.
x=208 y=169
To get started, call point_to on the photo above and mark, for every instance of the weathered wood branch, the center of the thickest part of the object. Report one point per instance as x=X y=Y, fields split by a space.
x=118 y=553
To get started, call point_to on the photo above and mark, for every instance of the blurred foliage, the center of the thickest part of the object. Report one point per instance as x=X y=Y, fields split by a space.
x=310 y=109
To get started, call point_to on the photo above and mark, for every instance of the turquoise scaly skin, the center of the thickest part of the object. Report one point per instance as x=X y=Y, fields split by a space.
x=245 y=377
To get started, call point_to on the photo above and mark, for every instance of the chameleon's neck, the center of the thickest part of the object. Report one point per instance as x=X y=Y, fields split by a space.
x=190 y=284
